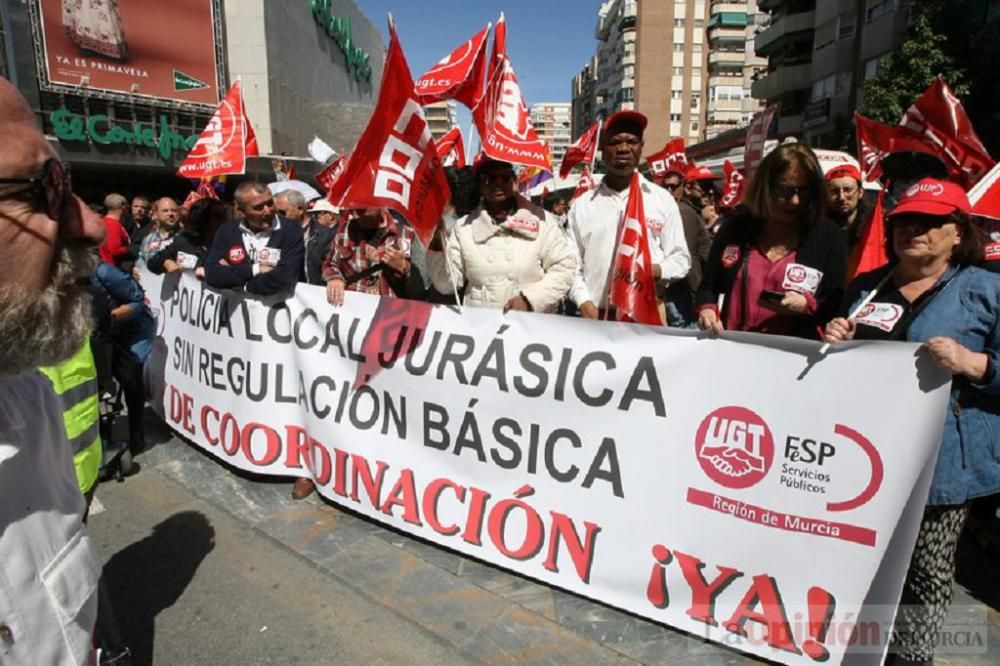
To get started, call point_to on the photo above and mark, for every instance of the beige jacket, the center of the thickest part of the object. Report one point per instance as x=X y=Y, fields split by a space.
x=527 y=254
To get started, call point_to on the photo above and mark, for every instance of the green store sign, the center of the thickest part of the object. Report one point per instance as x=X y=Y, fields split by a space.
x=101 y=130
x=339 y=30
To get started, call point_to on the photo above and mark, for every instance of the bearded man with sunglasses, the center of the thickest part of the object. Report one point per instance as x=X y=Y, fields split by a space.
x=48 y=567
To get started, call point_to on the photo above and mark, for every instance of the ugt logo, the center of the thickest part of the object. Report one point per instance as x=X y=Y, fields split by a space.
x=734 y=447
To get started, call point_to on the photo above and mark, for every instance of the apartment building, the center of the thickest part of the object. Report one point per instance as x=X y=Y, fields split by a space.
x=441 y=117
x=554 y=124
x=819 y=56
x=732 y=65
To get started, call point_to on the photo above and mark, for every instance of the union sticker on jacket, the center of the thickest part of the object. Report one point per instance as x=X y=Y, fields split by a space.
x=880 y=315
x=528 y=225
x=269 y=256
x=802 y=279
x=187 y=261
x=654 y=225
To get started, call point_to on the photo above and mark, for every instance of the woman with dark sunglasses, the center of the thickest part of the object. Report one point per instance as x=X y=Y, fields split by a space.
x=932 y=294
x=780 y=267
x=507 y=253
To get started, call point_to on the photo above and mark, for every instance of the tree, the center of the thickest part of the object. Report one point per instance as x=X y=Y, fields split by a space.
x=905 y=73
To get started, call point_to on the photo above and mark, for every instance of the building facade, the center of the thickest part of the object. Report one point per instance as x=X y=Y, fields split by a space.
x=125 y=118
x=819 y=56
x=554 y=124
x=732 y=65
x=657 y=56
x=442 y=117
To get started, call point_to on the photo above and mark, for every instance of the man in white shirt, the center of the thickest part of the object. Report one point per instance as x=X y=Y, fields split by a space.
x=48 y=567
x=594 y=218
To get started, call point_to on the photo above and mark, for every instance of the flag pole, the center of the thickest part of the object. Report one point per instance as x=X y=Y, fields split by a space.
x=857 y=310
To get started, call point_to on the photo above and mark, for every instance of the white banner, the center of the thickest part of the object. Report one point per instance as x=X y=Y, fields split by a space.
x=743 y=489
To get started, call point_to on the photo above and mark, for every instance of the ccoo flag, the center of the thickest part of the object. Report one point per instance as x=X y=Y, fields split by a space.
x=225 y=143
x=395 y=163
x=633 y=289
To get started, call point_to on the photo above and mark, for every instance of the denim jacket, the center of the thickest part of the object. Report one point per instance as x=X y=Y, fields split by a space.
x=967 y=310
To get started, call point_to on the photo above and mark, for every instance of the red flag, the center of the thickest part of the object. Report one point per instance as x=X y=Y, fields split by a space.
x=732 y=187
x=328 y=176
x=459 y=75
x=395 y=163
x=585 y=184
x=504 y=124
x=876 y=141
x=985 y=196
x=581 y=151
x=671 y=158
x=206 y=190
x=870 y=253
x=225 y=143
x=499 y=47
x=451 y=149
x=939 y=118
x=291 y=171
x=396 y=331
x=633 y=290
x=753 y=149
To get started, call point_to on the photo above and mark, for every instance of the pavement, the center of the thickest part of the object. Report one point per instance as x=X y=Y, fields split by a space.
x=209 y=565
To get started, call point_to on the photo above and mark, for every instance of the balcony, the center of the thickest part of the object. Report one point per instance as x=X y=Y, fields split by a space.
x=725 y=6
x=782 y=80
x=722 y=35
x=728 y=60
x=785 y=30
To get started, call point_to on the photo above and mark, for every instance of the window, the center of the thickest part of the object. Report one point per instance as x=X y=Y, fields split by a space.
x=872 y=66
x=678 y=48
x=879 y=8
x=629 y=71
x=726 y=93
x=823 y=88
x=694 y=127
x=675 y=117
x=678 y=71
x=695 y=99
x=678 y=23
x=676 y=94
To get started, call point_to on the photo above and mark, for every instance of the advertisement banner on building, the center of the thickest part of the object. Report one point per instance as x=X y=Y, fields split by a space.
x=160 y=50
x=711 y=485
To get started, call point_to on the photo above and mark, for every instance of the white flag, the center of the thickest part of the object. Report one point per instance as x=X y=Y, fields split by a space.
x=320 y=151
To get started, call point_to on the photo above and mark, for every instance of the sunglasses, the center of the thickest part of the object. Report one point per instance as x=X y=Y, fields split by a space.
x=918 y=223
x=490 y=178
x=673 y=186
x=786 y=192
x=53 y=187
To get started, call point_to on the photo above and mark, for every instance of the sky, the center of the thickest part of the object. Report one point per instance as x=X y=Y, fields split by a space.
x=548 y=41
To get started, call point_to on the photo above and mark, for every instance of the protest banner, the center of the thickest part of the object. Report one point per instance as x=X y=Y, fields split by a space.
x=742 y=489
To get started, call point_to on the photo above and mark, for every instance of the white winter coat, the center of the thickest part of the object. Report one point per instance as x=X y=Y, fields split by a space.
x=526 y=254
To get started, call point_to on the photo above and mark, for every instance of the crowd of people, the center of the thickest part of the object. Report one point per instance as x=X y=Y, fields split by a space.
x=777 y=264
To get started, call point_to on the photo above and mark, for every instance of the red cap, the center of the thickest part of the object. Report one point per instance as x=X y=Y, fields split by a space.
x=846 y=171
x=482 y=159
x=696 y=172
x=933 y=197
x=625 y=120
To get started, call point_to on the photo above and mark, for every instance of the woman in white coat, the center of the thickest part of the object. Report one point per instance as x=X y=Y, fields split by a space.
x=507 y=253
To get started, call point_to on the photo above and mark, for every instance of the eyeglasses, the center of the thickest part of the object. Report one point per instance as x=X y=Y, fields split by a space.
x=490 y=178
x=786 y=192
x=53 y=187
x=673 y=186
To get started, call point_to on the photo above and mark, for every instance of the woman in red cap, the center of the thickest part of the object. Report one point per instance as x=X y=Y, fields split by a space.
x=934 y=295
x=780 y=268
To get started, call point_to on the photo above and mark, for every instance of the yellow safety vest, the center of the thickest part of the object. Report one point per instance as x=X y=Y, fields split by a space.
x=75 y=382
